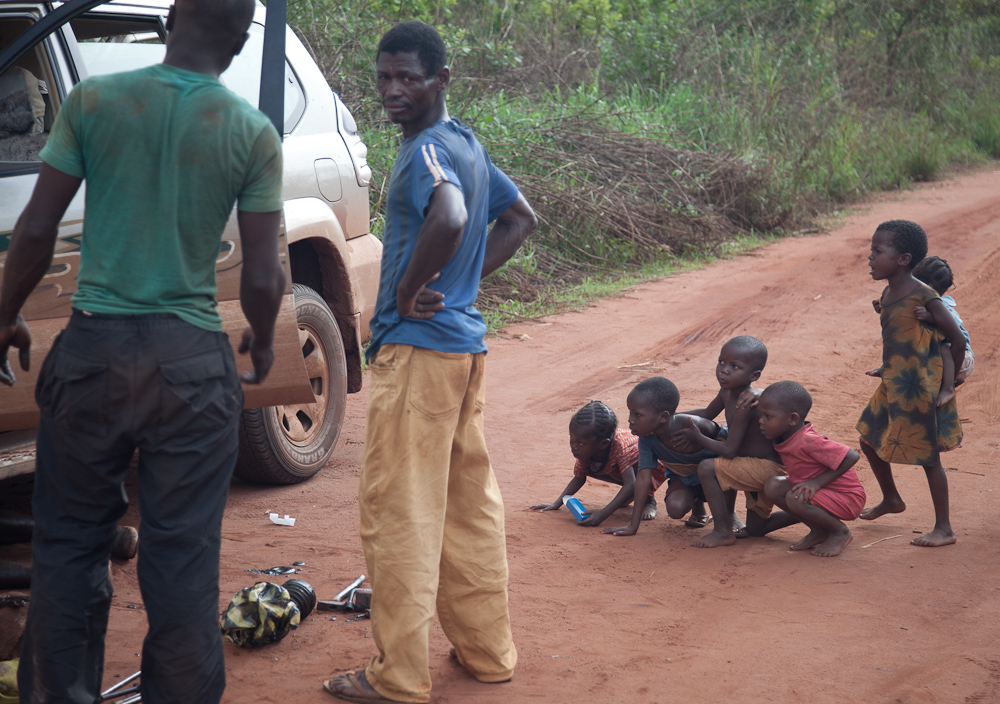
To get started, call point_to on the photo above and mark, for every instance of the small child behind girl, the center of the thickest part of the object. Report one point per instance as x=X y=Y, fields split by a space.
x=604 y=452
x=903 y=422
x=822 y=489
x=935 y=272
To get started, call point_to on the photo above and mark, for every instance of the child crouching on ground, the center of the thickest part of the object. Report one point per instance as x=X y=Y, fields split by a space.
x=604 y=452
x=821 y=489
x=652 y=416
x=745 y=459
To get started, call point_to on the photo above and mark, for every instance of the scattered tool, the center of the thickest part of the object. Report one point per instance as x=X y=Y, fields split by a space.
x=115 y=691
x=351 y=599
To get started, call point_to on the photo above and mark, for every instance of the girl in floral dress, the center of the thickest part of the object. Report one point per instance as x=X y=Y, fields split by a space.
x=910 y=418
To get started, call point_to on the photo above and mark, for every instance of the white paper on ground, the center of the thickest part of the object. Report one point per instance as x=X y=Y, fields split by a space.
x=286 y=521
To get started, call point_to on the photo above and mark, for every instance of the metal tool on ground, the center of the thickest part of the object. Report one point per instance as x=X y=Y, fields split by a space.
x=352 y=599
x=119 y=690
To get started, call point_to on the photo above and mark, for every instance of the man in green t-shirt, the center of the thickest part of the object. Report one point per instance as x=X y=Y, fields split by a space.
x=143 y=364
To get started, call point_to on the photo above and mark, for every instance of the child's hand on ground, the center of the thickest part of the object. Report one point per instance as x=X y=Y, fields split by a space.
x=877 y=306
x=621 y=530
x=922 y=314
x=748 y=399
x=592 y=521
x=945 y=396
x=875 y=372
x=804 y=491
x=547 y=507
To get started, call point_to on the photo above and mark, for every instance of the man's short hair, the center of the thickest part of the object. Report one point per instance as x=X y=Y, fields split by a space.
x=751 y=348
x=417 y=38
x=661 y=392
x=228 y=17
x=790 y=396
x=908 y=238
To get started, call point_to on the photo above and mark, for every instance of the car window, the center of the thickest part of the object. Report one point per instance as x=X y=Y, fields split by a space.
x=26 y=107
x=243 y=78
x=114 y=43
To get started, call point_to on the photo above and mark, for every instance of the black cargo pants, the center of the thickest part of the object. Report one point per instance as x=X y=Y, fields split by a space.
x=111 y=384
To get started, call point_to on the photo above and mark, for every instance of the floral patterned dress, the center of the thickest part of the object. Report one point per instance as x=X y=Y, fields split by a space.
x=901 y=422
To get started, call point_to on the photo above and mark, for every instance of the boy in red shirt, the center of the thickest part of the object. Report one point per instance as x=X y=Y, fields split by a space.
x=821 y=489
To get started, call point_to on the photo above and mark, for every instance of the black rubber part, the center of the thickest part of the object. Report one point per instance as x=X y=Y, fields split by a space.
x=302 y=594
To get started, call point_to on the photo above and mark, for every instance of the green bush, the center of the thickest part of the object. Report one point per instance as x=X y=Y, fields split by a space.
x=647 y=130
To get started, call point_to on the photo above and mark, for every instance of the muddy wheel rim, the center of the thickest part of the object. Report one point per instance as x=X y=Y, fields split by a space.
x=302 y=423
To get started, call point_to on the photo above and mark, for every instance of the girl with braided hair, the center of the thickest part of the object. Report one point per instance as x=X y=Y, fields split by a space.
x=604 y=452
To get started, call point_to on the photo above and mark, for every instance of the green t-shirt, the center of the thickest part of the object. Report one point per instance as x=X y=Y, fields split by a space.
x=165 y=153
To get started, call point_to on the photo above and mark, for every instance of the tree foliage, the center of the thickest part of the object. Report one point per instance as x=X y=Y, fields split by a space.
x=733 y=115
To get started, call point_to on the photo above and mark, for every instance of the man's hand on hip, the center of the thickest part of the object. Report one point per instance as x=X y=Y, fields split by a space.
x=424 y=304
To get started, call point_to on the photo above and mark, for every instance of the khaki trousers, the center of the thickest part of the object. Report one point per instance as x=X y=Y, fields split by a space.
x=432 y=523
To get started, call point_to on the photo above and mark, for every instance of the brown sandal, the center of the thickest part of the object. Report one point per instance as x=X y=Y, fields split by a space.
x=353 y=687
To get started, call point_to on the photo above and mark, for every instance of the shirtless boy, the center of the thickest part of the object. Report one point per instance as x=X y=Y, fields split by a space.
x=746 y=459
x=652 y=416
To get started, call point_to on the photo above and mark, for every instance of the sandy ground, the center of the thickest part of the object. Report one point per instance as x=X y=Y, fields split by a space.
x=650 y=618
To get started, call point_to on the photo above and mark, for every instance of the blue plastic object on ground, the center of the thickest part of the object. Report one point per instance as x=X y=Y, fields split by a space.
x=575 y=507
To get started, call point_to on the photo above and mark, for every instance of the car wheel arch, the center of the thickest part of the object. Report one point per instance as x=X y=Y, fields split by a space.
x=318 y=264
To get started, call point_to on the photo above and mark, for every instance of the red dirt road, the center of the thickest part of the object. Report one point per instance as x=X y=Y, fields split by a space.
x=650 y=618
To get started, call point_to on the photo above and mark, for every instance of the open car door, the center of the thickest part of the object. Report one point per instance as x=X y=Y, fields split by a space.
x=50 y=39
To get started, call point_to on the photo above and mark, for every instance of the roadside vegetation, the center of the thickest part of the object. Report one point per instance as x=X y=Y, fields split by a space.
x=652 y=133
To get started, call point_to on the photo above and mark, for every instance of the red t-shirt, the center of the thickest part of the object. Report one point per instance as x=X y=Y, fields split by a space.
x=806 y=455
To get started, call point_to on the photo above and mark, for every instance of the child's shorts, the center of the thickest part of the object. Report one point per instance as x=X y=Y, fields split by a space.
x=681 y=470
x=675 y=484
x=748 y=474
x=968 y=364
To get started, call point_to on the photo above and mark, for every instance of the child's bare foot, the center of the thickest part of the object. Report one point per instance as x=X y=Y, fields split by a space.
x=833 y=545
x=870 y=514
x=812 y=539
x=945 y=396
x=936 y=538
x=649 y=510
x=715 y=539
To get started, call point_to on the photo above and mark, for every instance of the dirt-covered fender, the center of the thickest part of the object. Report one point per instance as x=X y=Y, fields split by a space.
x=345 y=272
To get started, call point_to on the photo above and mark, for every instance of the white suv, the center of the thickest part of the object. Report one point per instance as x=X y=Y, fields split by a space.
x=291 y=422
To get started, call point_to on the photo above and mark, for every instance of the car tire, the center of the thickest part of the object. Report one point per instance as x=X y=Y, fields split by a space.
x=289 y=444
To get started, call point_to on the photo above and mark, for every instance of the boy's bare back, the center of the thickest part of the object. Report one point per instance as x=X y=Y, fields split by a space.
x=753 y=444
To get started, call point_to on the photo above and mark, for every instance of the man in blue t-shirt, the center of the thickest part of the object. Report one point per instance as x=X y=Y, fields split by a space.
x=432 y=522
x=143 y=363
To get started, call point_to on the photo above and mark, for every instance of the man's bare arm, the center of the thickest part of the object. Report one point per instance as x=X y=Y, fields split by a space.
x=262 y=284
x=437 y=242
x=29 y=258
x=509 y=232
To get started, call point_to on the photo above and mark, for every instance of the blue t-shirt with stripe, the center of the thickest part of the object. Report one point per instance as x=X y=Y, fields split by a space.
x=445 y=152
